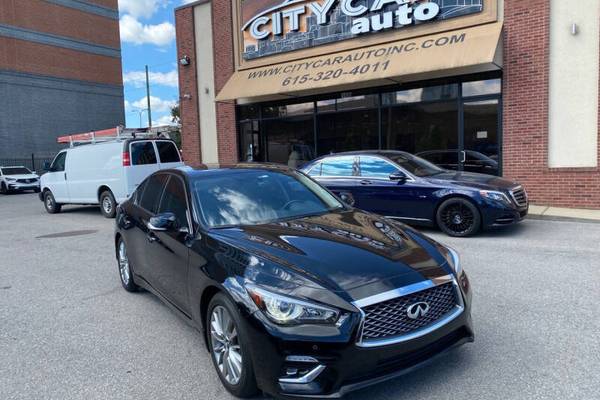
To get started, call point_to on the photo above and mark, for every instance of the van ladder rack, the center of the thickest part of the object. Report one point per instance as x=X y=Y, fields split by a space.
x=117 y=133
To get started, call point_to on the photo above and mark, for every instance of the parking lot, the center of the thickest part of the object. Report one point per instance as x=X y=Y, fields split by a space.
x=69 y=331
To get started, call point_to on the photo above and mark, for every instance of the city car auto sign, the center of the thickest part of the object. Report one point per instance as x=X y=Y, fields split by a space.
x=271 y=26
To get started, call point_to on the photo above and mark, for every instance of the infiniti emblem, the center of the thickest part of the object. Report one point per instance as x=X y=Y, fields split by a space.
x=417 y=310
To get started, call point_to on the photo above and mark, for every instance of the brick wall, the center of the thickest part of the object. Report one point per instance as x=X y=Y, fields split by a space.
x=188 y=86
x=525 y=114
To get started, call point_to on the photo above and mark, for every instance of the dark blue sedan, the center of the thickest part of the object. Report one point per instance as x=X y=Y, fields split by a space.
x=402 y=186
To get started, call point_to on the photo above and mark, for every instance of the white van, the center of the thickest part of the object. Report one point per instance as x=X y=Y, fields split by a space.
x=104 y=173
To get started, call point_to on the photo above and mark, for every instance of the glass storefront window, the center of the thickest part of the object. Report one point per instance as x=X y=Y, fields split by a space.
x=421 y=127
x=357 y=102
x=346 y=131
x=431 y=93
x=326 y=105
x=290 y=141
x=480 y=88
x=248 y=112
x=288 y=110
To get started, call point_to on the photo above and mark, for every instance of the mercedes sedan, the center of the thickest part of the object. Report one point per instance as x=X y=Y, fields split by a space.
x=296 y=293
x=402 y=186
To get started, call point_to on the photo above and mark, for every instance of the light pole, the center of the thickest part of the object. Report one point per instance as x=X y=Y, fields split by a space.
x=140 y=112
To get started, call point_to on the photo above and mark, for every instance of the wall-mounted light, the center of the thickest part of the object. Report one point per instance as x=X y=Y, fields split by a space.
x=187 y=96
x=184 y=61
x=574 y=29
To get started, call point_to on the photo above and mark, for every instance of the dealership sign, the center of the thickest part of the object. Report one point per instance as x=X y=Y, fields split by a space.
x=272 y=26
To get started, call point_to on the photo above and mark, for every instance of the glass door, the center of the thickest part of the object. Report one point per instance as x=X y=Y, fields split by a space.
x=481 y=137
x=250 y=143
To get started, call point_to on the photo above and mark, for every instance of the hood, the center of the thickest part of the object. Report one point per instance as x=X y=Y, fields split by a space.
x=350 y=252
x=473 y=180
x=22 y=176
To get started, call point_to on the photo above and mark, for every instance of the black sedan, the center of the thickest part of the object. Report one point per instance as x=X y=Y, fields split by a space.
x=406 y=187
x=296 y=293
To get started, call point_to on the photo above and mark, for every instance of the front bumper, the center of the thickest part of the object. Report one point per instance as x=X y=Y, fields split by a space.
x=23 y=186
x=496 y=215
x=342 y=367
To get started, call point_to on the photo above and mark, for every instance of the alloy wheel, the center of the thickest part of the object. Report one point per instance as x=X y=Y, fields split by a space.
x=107 y=205
x=226 y=345
x=458 y=218
x=49 y=202
x=124 y=263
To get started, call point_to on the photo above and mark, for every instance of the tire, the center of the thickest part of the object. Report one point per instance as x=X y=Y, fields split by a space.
x=245 y=385
x=3 y=188
x=458 y=217
x=108 y=205
x=125 y=272
x=50 y=204
x=36 y=190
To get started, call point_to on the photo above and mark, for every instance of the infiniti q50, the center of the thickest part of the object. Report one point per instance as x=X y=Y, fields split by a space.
x=295 y=293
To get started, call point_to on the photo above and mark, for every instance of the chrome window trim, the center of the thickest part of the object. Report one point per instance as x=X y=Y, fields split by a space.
x=404 y=291
x=409 y=218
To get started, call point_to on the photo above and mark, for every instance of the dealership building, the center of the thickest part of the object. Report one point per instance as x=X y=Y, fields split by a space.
x=60 y=73
x=508 y=87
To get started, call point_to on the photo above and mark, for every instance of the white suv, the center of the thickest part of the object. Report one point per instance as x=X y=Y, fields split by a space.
x=104 y=173
x=17 y=179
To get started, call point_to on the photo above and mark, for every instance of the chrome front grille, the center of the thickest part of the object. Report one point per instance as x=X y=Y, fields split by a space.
x=389 y=319
x=519 y=196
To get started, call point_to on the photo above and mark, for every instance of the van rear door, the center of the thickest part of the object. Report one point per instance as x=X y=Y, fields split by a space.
x=168 y=154
x=144 y=162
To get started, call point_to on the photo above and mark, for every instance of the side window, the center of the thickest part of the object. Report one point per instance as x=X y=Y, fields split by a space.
x=373 y=167
x=174 y=200
x=315 y=170
x=152 y=191
x=167 y=152
x=338 y=166
x=58 y=164
x=137 y=195
x=142 y=153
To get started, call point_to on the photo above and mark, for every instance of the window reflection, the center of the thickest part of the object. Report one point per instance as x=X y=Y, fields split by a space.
x=479 y=88
x=431 y=93
x=290 y=141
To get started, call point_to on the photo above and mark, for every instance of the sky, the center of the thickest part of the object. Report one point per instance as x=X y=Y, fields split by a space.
x=148 y=38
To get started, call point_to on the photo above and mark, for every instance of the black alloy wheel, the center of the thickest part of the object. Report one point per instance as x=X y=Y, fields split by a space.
x=50 y=204
x=458 y=217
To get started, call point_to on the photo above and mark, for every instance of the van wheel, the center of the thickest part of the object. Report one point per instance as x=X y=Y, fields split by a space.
x=50 y=204
x=108 y=205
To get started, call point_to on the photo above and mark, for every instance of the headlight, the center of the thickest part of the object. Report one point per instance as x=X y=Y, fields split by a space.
x=451 y=257
x=495 y=196
x=285 y=310
x=11 y=179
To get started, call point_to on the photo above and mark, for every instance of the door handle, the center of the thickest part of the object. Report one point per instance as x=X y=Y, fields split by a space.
x=65 y=176
x=463 y=156
x=365 y=182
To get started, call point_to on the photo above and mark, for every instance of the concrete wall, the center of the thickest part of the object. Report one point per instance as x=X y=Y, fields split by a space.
x=574 y=69
x=206 y=84
x=34 y=110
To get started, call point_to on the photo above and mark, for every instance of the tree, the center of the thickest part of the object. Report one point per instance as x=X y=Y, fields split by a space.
x=175 y=118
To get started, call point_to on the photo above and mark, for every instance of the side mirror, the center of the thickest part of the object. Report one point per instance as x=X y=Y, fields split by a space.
x=398 y=176
x=163 y=222
x=347 y=198
x=46 y=166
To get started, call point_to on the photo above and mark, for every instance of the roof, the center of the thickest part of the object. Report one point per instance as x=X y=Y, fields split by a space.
x=232 y=169
x=385 y=153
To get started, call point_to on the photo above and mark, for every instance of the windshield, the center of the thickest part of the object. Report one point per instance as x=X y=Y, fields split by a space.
x=416 y=165
x=15 y=171
x=245 y=197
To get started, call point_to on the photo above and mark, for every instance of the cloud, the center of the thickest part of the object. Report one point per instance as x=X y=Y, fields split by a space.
x=164 y=120
x=141 y=8
x=133 y=31
x=158 y=105
x=138 y=78
x=187 y=1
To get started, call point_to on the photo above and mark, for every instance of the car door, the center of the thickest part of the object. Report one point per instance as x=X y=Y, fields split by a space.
x=168 y=155
x=404 y=199
x=167 y=251
x=338 y=174
x=56 y=178
x=145 y=206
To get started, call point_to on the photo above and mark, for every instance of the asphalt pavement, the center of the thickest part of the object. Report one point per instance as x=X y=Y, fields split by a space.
x=69 y=331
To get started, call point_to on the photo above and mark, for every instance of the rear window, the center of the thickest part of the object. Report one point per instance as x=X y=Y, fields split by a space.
x=167 y=152
x=142 y=153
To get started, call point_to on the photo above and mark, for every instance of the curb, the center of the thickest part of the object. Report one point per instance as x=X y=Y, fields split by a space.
x=563 y=214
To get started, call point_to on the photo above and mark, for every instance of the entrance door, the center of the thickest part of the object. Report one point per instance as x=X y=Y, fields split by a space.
x=251 y=142
x=481 y=150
